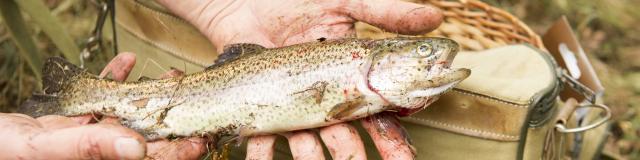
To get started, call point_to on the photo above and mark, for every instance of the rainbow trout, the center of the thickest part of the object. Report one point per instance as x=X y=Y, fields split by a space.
x=253 y=90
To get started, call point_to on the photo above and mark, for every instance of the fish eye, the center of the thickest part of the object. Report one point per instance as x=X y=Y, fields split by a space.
x=424 y=50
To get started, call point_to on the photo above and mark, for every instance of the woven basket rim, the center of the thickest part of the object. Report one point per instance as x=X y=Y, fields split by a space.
x=490 y=20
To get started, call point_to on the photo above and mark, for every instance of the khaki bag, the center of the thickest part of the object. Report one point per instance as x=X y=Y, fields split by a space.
x=507 y=109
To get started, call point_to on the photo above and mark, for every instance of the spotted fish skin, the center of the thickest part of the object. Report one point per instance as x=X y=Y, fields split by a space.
x=255 y=90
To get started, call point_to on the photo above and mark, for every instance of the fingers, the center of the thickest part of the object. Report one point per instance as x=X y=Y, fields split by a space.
x=52 y=122
x=389 y=137
x=343 y=28
x=260 y=147
x=304 y=145
x=343 y=142
x=82 y=119
x=184 y=148
x=14 y=123
x=120 y=66
x=100 y=141
x=110 y=120
x=15 y=115
x=396 y=16
x=171 y=73
x=14 y=130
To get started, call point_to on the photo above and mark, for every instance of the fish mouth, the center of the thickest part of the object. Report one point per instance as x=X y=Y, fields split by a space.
x=446 y=78
x=434 y=89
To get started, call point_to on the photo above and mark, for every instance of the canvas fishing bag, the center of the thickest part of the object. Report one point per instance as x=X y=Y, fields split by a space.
x=509 y=108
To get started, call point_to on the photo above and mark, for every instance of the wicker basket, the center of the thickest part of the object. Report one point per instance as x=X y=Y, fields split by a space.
x=473 y=24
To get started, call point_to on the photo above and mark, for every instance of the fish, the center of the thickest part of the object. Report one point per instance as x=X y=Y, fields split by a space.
x=253 y=90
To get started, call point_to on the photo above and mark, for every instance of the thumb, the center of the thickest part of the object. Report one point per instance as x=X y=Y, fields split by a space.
x=120 y=66
x=396 y=16
x=99 y=141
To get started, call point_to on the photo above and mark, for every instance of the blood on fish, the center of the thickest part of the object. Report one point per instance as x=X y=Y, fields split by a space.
x=355 y=55
x=346 y=93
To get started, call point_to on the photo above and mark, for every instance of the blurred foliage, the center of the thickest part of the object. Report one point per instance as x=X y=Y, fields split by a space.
x=607 y=29
x=17 y=81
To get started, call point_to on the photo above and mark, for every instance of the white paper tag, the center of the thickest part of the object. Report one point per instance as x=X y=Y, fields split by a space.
x=570 y=60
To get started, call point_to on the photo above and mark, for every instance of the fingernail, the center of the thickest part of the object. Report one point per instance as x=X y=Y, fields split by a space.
x=129 y=148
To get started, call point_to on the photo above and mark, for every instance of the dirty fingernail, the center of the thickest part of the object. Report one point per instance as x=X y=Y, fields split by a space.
x=129 y=148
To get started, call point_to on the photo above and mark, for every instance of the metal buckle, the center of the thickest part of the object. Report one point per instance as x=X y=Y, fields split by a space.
x=94 y=42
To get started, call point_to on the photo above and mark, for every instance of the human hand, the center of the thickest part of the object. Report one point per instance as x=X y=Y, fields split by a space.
x=278 y=23
x=59 y=137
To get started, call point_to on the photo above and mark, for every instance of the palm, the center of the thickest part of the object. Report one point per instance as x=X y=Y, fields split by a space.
x=280 y=23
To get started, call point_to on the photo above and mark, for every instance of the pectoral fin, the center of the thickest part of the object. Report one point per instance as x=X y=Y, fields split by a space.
x=316 y=90
x=342 y=110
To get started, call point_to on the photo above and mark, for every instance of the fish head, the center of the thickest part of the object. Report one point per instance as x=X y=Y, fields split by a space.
x=411 y=73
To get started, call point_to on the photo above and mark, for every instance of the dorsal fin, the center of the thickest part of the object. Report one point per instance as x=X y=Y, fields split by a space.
x=234 y=51
x=145 y=78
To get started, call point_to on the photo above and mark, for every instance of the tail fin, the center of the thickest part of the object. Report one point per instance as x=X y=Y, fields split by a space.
x=58 y=73
x=40 y=105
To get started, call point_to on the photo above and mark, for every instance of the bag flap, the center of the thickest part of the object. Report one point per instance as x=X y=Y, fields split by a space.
x=493 y=102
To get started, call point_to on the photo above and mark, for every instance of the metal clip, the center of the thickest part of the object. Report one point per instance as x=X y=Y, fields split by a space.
x=94 y=42
x=590 y=97
x=589 y=94
x=563 y=129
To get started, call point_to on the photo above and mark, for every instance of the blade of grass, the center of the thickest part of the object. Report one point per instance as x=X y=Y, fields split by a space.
x=41 y=15
x=20 y=36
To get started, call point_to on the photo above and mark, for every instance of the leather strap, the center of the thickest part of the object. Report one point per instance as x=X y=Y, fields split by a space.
x=556 y=143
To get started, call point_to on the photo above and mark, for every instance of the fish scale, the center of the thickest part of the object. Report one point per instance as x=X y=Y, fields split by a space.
x=253 y=90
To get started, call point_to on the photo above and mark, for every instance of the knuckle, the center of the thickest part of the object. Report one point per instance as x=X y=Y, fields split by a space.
x=88 y=148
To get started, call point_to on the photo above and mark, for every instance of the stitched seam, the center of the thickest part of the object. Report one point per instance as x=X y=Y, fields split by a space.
x=489 y=98
x=507 y=137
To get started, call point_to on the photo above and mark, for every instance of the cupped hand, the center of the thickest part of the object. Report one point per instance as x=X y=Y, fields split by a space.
x=277 y=23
